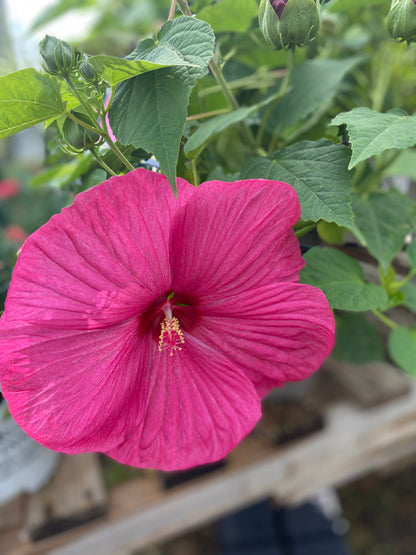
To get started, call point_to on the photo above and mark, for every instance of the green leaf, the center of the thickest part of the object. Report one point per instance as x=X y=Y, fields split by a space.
x=230 y=15
x=64 y=173
x=404 y=164
x=95 y=178
x=384 y=220
x=341 y=278
x=149 y=111
x=411 y=254
x=402 y=348
x=356 y=339
x=26 y=98
x=321 y=80
x=114 y=70
x=372 y=133
x=409 y=296
x=214 y=126
x=318 y=172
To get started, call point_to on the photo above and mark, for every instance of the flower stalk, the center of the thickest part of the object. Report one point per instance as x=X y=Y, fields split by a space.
x=284 y=86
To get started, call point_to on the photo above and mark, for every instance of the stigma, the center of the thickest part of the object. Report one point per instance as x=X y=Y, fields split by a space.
x=171 y=335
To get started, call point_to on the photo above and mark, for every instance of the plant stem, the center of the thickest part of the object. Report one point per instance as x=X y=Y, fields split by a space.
x=105 y=134
x=101 y=131
x=401 y=283
x=172 y=10
x=304 y=230
x=93 y=115
x=95 y=129
x=280 y=94
x=385 y=319
x=208 y=114
x=102 y=163
x=184 y=7
x=110 y=141
x=194 y=170
x=117 y=151
x=219 y=77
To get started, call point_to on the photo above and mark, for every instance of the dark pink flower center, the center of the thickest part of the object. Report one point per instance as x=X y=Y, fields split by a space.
x=167 y=317
x=278 y=6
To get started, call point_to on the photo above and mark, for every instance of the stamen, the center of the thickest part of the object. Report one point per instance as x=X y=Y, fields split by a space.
x=171 y=335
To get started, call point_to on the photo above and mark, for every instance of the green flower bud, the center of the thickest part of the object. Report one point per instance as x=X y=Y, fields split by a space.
x=289 y=23
x=77 y=136
x=87 y=70
x=59 y=58
x=401 y=20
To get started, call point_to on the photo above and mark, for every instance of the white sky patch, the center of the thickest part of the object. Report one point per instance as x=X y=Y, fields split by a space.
x=21 y=14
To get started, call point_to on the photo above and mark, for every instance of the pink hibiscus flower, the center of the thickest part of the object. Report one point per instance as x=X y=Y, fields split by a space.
x=149 y=327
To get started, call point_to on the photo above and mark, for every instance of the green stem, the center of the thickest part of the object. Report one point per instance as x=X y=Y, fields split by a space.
x=183 y=6
x=93 y=115
x=208 y=114
x=102 y=163
x=401 y=283
x=219 y=77
x=385 y=319
x=284 y=86
x=254 y=81
x=85 y=124
x=118 y=152
x=195 y=172
x=103 y=131
x=304 y=230
x=112 y=145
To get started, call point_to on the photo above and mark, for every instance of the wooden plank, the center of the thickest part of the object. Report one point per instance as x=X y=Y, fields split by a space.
x=354 y=442
x=370 y=384
x=75 y=494
x=12 y=512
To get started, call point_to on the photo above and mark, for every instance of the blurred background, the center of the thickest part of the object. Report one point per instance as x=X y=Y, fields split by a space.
x=375 y=515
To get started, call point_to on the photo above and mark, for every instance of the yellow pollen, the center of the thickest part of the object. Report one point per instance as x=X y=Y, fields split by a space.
x=171 y=335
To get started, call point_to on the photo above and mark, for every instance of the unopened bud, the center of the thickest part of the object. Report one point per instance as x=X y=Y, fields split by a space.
x=76 y=135
x=87 y=70
x=289 y=23
x=58 y=56
x=401 y=20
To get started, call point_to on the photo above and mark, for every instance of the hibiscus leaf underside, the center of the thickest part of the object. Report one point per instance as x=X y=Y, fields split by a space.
x=149 y=111
x=372 y=133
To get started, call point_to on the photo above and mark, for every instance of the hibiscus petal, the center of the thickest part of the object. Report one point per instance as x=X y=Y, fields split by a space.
x=246 y=240
x=102 y=259
x=198 y=406
x=69 y=389
x=274 y=333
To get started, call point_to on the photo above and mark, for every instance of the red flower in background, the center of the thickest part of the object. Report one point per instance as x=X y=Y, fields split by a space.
x=149 y=327
x=15 y=234
x=9 y=188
